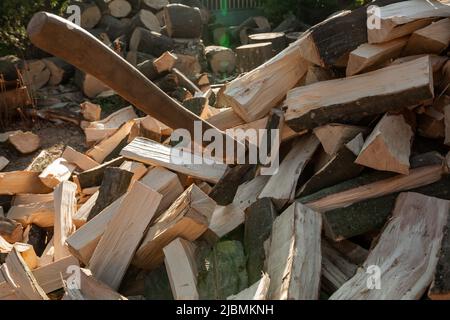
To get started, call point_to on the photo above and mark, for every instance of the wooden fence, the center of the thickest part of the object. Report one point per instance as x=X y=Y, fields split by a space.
x=215 y=5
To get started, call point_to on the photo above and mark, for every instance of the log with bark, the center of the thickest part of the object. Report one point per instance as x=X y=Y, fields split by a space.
x=183 y=21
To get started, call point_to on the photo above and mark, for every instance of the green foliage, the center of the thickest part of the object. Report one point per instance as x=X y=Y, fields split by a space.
x=14 y=18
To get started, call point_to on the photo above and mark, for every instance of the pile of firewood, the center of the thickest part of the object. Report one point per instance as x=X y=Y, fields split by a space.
x=359 y=208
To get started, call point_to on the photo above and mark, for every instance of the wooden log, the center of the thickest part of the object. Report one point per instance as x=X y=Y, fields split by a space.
x=116 y=248
x=251 y=56
x=58 y=171
x=221 y=59
x=10 y=230
x=113 y=26
x=440 y=287
x=34 y=73
x=150 y=42
x=16 y=182
x=103 y=149
x=253 y=95
x=277 y=39
x=181 y=268
x=3 y=162
x=165 y=62
x=148 y=69
x=259 y=219
x=89 y=85
x=184 y=81
x=137 y=169
x=333 y=136
x=41 y=214
x=155 y=5
x=65 y=207
x=90 y=14
x=431 y=123
x=26 y=285
x=224 y=220
x=50 y=277
x=8 y=67
x=447 y=124
x=196 y=105
x=258 y=291
x=294 y=258
x=15 y=98
x=369 y=56
x=226 y=119
x=94 y=176
x=248 y=192
x=434 y=38
x=25 y=142
x=91 y=111
x=388 y=147
x=60 y=71
x=145 y=19
x=80 y=160
x=155 y=154
x=405 y=17
x=135 y=57
x=115 y=183
x=306 y=111
x=329 y=41
x=183 y=21
x=417 y=252
x=281 y=187
x=188 y=218
x=119 y=8
x=351 y=251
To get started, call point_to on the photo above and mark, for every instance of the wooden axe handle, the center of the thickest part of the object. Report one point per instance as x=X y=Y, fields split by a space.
x=70 y=42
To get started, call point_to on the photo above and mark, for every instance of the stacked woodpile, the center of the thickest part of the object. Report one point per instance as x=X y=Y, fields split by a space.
x=359 y=208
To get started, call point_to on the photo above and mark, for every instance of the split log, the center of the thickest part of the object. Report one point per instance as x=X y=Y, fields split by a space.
x=188 y=218
x=388 y=147
x=25 y=142
x=15 y=98
x=407 y=260
x=226 y=119
x=259 y=219
x=165 y=62
x=102 y=150
x=145 y=19
x=94 y=176
x=34 y=73
x=330 y=41
x=80 y=160
x=65 y=204
x=258 y=291
x=119 y=8
x=155 y=154
x=84 y=241
x=334 y=136
x=137 y=169
x=431 y=123
x=183 y=21
x=148 y=69
x=150 y=42
x=115 y=183
x=432 y=39
x=16 y=182
x=3 y=162
x=155 y=5
x=117 y=246
x=89 y=85
x=184 y=81
x=60 y=71
x=281 y=187
x=253 y=95
x=251 y=56
x=221 y=59
x=50 y=277
x=196 y=105
x=369 y=56
x=405 y=17
x=351 y=251
x=41 y=214
x=277 y=39
x=91 y=111
x=440 y=287
x=58 y=171
x=10 y=230
x=294 y=258
x=225 y=219
x=181 y=269
x=248 y=192
x=306 y=110
x=82 y=214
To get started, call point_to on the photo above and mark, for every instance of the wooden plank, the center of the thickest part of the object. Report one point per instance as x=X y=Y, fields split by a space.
x=116 y=248
x=368 y=56
x=406 y=259
x=388 y=148
x=350 y=99
x=187 y=218
x=181 y=269
x=253 y=95
x=58 y=171
x=294 y=259
x=405 y=17
x=82 y=161
x=281 y=187
x=50 y=276
x=15 y=182
x=100 y=151
x=156 y=154
x=65 y=207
